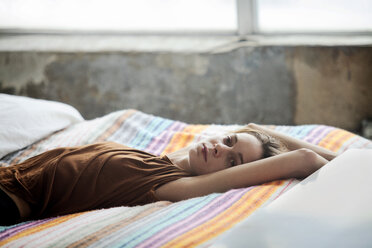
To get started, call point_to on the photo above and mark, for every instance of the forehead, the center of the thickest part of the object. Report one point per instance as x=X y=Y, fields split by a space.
x=249 y=146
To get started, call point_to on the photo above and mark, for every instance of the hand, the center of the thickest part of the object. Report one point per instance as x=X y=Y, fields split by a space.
x=253 y=125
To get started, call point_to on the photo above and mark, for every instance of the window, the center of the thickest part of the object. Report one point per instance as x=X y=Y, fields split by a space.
x=314 y=16
x=119 y=15
x=180 y=16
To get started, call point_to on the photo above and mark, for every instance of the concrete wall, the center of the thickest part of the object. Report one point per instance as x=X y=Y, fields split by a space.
x=262 y=84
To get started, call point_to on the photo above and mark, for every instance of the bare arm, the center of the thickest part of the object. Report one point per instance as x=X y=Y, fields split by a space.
x=294 y=164
x=293 y=143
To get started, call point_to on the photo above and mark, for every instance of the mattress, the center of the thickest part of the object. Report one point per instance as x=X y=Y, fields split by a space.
x=190 y=223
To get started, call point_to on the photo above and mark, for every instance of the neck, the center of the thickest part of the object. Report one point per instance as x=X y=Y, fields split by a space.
x=180 y=159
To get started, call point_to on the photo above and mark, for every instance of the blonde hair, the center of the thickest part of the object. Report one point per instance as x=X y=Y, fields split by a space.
x=271 y=146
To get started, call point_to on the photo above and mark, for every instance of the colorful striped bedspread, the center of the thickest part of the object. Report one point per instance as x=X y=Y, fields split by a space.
x=194 y=222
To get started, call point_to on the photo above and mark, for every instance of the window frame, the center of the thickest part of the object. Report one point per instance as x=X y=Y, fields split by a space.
x=247 y=23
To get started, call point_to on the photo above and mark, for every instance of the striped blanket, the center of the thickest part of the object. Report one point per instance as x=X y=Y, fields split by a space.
x=189 y=223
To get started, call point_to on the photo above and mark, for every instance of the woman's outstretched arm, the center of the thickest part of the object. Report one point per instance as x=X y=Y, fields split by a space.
x=294 y=144
x=295 y=164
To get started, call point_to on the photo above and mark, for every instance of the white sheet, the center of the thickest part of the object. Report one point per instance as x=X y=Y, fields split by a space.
x=330 y=208
x=24 y=120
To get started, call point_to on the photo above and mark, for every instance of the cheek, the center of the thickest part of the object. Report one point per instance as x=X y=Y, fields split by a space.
x=192 y=155
x=213 y=140
x=194 y=160
x=216 y=165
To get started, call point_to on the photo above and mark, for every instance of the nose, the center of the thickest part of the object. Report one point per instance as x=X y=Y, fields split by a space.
x=219 y=149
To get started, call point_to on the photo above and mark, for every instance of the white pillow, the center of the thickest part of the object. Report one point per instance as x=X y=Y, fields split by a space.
x=24 y=120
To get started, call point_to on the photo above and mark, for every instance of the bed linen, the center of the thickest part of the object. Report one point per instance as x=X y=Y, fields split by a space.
x=25 y=120
x=189 y=223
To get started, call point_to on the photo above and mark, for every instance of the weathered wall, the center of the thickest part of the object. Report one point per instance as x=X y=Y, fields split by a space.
x=334 y=85
x=272 y=85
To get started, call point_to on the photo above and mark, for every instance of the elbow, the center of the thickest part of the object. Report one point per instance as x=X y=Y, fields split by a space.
x=311 y=162
x=307 y=155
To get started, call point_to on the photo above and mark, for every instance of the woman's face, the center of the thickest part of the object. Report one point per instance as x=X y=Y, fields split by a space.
x=221 y=152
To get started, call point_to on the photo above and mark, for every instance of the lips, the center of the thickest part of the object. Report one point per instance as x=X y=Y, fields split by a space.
x=205 y=152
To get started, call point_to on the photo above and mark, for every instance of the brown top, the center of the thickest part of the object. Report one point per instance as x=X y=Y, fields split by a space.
x=102 y=175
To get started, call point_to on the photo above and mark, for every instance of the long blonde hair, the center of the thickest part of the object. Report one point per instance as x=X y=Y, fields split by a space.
x=271 y=146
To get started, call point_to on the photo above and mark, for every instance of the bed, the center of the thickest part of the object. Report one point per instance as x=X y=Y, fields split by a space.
x=194 y=222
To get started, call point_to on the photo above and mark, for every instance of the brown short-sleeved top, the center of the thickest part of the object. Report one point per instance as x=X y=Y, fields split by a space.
x=73 y=179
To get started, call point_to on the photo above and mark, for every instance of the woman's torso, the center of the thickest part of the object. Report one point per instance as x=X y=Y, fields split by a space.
x=101 y=175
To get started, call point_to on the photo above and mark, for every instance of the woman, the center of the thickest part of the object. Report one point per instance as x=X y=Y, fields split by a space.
x=102 y=175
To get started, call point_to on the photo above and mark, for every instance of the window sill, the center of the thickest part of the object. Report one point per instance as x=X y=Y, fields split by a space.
x=165 y=43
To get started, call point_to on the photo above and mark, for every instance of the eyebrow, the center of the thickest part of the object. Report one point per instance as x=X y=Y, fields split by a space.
x=240 y=154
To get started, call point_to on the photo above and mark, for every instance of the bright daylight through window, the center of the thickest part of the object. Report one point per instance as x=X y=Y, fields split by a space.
x=267 y=16
x=119 y=15
x=314 y=16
